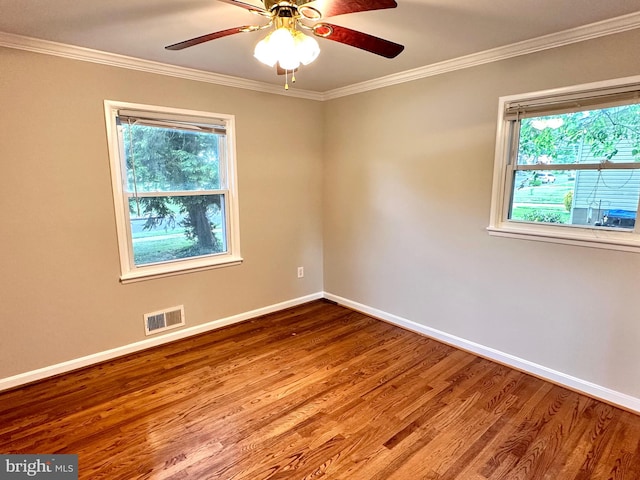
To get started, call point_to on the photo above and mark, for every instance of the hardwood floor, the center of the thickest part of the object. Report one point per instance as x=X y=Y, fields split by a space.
x=318 y=391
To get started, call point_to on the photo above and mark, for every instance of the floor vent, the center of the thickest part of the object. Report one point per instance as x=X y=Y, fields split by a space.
x=162 y=320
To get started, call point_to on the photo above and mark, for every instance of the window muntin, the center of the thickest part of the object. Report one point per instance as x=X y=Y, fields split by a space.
x=173 y=174
x=568 y=165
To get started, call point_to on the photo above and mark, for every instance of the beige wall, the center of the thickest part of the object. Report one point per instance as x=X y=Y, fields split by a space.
x=61 y=298
x=407 y=188
x=389 y=195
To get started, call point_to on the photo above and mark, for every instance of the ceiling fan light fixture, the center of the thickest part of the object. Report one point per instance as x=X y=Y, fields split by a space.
x=288 y=47
x=283 y=44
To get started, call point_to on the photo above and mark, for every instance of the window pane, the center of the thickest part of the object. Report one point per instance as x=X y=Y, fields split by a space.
x=592 y=136
x=174 y=228
x=606 y=198
x=161 y=159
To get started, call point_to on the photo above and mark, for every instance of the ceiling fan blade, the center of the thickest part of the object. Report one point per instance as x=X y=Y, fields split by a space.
x=244 y=5
x=206 y=38
x=364 y=41
x=341 y=7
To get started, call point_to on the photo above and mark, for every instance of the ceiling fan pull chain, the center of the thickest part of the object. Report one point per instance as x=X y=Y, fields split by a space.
x=286 y=80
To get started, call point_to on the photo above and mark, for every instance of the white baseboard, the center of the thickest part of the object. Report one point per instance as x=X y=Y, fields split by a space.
x=41 y=373
x=605 y=394
x=597 y=391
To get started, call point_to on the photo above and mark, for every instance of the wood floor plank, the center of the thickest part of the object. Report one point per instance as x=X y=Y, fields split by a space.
x=622 y=458
x=317 y=391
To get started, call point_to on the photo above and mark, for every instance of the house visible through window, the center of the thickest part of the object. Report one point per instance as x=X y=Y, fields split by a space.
x=568 y=165
x=174 y=189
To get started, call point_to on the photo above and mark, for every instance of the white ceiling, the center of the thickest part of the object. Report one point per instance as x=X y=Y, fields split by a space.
x=431 y=30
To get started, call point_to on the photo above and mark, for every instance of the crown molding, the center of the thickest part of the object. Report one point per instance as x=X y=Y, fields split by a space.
x=538 y=44
x=567 y=37
x=47 y=47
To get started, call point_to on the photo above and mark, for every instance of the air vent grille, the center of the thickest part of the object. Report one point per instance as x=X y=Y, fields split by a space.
x=156 y=322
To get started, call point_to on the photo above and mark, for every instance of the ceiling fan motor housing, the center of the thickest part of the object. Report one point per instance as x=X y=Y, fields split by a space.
x=292 y=9
x=270 y=4
x=286 y=17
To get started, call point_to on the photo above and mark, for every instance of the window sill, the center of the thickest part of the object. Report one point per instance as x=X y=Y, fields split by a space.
x=178 y=268
x=606 y=239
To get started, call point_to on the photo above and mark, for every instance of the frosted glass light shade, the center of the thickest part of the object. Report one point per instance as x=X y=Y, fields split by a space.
x=287 y=47
x=307 y=48
x=266 y=55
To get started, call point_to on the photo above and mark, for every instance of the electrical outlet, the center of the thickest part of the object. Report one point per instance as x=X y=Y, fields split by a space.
x=300 y=272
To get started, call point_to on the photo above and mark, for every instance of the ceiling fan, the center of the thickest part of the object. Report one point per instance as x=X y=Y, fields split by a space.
x=287 y=47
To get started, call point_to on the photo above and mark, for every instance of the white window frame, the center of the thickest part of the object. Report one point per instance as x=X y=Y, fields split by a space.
x=499 y=223
x=129 y=271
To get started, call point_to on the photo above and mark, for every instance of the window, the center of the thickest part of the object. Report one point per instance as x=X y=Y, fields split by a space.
x=174 y=188
x=567 y=166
